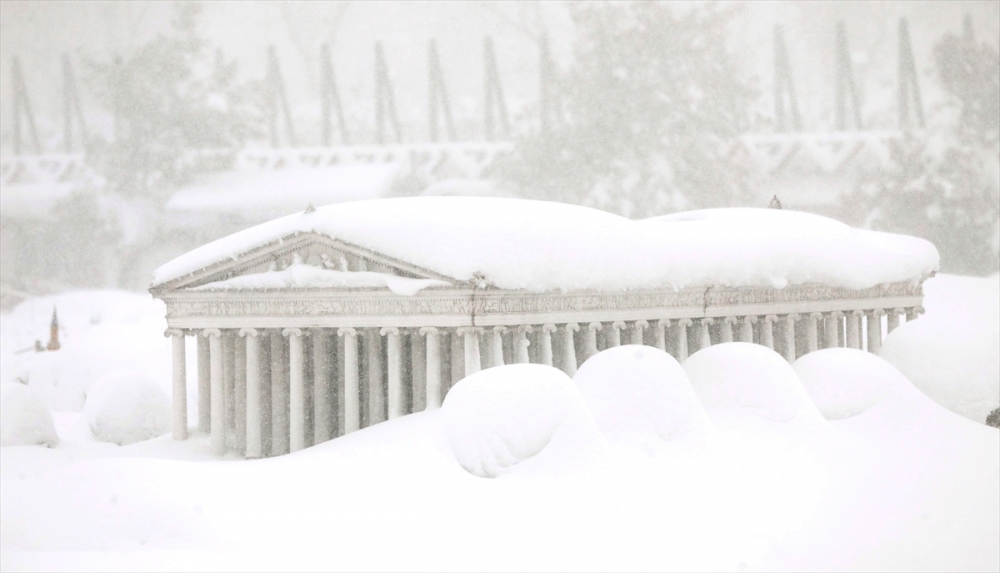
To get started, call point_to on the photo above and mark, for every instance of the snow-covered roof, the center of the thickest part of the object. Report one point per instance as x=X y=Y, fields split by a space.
x=269 y=192
x=544 y=246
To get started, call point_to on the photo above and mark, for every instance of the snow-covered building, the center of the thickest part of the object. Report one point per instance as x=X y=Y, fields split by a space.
x=326 y=321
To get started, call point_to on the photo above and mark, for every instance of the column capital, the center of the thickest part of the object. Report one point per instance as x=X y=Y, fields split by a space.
x=663 y=323
x=343 y=330
x=389 y=330
x=857 y=313
x=595 y=326
x=463 y=330
x=173 y=332
x=815 y=315
x=731 y=319
x=750 y=319
x=424 y=330
x=211 y=332
x=572 y=327
x=708 y=320
x=792 y=317
x=642 y=323
x=618 y=325
x=499 y=329
x=897 y=311
x=291 y=332
x=876 y=311
x=249 y=332
x=549 y=328
x=771 y=318
x=525 y=328
x=836 y=313
x=685 y=322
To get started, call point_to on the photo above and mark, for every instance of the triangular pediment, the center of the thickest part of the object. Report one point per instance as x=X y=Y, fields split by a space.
x=308 y=248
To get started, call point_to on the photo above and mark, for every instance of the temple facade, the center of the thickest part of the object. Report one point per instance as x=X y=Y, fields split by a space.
x=285 y=364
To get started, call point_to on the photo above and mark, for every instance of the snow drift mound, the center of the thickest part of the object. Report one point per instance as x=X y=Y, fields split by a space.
x=25 y=420
x=950 y=354
x=738 y=378
x=640 y=394
x=124 y=409
x=500 y=417
x=844 y=382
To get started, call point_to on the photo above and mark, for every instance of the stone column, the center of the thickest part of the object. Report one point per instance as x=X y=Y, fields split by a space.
x=832 y=329
x=180 y=417
x=854 y=329
x=545 y=341
x=433 y=367
x=706 y=337
x=218 y=439
x=590 y=340
x=322 y=391
x=376 y=394
x=913 y=313
x=893 y=319
x=521 y=344
x=240 y=393
x=875 y=330
x=394 y=362
x=767 y=331
x=279 y=395
x=812 y=331
x=746 y=328
x=789 y=335
x=495 y=338
x=204 y=385
x=615 y=333
x=470 y=346
x=297 y=390
x=352 y=380
x=418 y=371
x=636 y=333
x=457 y=361
x=229 y=378
x=660 y=333
x=682 y=338
x=726 y=328
x=254 y=437
x=569 y=349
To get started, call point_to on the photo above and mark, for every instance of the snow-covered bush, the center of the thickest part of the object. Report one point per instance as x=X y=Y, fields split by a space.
x=125 y=408
x=502 y=416
x=24 y=418
x=640 y=394
x=844 y=382
x=738 y=378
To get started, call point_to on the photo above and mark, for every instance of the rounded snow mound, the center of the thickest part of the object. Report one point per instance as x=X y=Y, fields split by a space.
x=125 y=408
x=25 y=420
x=500 y=417
x=742 y=377
x=640 y=393
x=844 y=382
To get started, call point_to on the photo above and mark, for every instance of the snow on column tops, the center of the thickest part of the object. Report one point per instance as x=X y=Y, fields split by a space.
x=545 y=246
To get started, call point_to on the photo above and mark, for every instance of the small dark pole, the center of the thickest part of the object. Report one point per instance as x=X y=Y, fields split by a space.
x=845 y=82
x=278 y=100
x=329 y=94
x=384 y=98
x=438 y=94
x=494 y=94
x=71 y=108
x=908 y=79
x=22 y=106
x=783 y=85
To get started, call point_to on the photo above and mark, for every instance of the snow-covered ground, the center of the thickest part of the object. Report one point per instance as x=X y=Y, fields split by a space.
x=720 y=468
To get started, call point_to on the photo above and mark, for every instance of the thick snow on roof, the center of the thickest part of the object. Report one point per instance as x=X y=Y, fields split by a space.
x=305 y=276
x=541 y=246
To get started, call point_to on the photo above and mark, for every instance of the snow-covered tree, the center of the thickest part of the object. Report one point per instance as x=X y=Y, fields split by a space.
x=945 y=185
x=643 y=113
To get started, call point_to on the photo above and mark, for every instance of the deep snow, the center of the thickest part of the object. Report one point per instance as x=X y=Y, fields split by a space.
x=899 y=483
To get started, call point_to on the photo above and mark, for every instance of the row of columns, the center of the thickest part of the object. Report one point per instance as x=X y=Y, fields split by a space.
x=270 y=392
